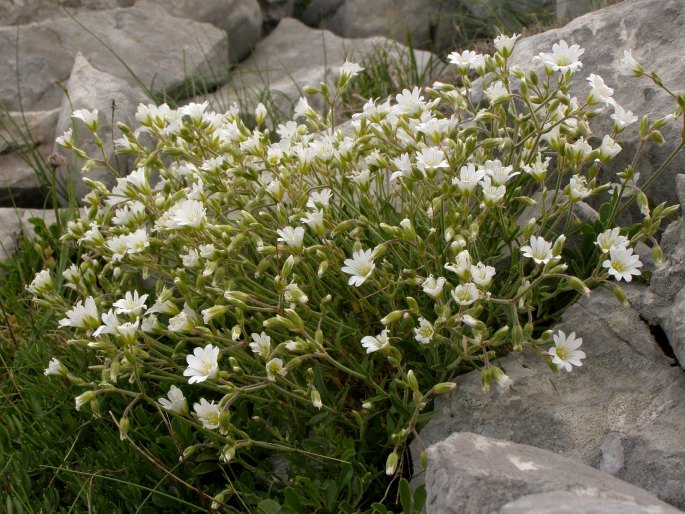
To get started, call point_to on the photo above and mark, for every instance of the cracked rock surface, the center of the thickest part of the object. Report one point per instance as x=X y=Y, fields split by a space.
x=622 y=412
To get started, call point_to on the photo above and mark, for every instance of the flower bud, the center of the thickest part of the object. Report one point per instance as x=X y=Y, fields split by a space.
x=391 y=464
x=123 y=428
x=444 y=387
x=621 y=296
x=260 y=114
x=392 y=317
x=578 y=285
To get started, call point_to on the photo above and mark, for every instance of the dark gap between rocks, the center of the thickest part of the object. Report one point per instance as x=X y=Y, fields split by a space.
x=662 y=340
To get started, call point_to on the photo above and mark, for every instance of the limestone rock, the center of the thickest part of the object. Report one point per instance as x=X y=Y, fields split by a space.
x=274 y=11
x=241 y=19
x=472 y=473
x=622 y=411
x=163 y=51
x=26 y=140
x=92 y=89
x=294 y=56
x=653 y=30
x=565 y=502
x=395 y=19
x=664 y=302
x=13 y=12
x=568 y=9
x=15 y=222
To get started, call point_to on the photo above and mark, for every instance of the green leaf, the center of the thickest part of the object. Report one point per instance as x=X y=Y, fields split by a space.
x=292 y=500
x=405 y=495
x=379 y=508
x=420 y=497
x=268 y=507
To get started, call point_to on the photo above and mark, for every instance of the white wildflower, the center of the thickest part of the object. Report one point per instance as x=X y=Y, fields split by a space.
x=175 y=401
x=203 y=364
x=565 y=351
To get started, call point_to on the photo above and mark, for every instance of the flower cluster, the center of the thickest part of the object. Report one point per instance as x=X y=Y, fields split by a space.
x=299 y=274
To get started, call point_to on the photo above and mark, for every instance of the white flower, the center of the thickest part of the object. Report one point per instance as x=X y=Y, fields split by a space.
x=373 y=344
x=315 y=220
x=465 y=294
x=482 y=274
x=599 y=91
x=42 y=283
x=349 y=70
x=492 y=194
x=579 y=149
x=629 y=66
x=84 y=398
x=403 y=167
x=66 y=140
x=191 y=259
x=319 y=199
x=563 y=57
x=110 y=322
x=275 y=367
x=292 y=237
x=461 y=265
x=176 y=402
x=622 y=118
x=261 y=344
x=409 y=102
x=203 y=364
x=194 y=110
x=468 y=178
x=464 y=60
x=128 y=331
x=207 y=413
x=302 y=109
x=539 y=250
x=294 y=294
x=622 y=264
x=565 y=352
x=496 y=92
x=576 y=190
x=188 y=213
x=430 y=159
x=83 y=316
x=611 y=239
x=505 y=44
x=360 y=266
x=55 y=367
x=424 y=332
x=433 y=287
x=538 y=168
x=90 y=118
x=498 y=173
x=137 y=241
x=130 y=304
x=609 y=148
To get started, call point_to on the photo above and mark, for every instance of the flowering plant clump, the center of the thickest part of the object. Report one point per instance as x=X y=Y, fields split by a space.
x=308 y=293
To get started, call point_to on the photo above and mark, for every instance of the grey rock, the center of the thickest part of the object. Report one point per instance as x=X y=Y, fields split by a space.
x=568 y=9
x=664 y=302
x=240 y=19
x=566 y=502
x=13 y=12
x=14 y=223
x=395 y=19
x=625 y=403
x=294 y=56
x=92 y=89
x=472 y=473
x=26 y=140
x=163 y=51
x=653 y=30
x=274 y=11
